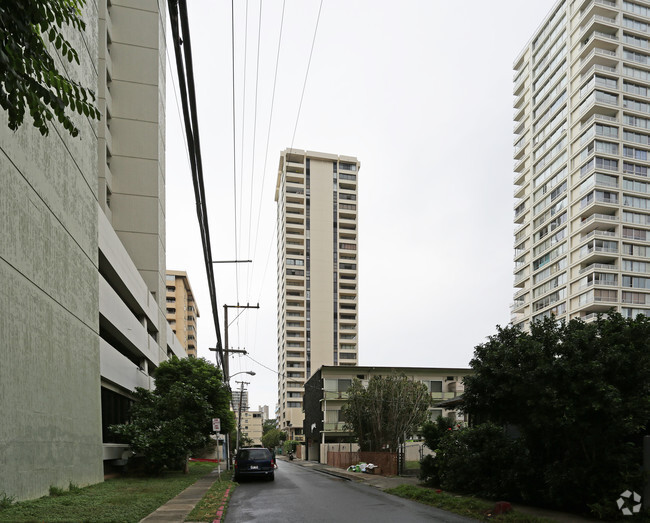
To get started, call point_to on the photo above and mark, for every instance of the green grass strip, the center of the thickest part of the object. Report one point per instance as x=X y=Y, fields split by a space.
x=123 y=500
x=464 y=505
x=206 y=509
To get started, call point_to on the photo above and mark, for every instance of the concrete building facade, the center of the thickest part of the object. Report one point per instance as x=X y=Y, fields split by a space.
x=326 y=393
x=317 y=273
x=251 y=425
x=82 y=260
x=182 y=310
x=582 y=145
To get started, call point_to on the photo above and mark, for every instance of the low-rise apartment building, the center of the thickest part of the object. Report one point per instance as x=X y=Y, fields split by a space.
x=326 y=393
x=251 y=425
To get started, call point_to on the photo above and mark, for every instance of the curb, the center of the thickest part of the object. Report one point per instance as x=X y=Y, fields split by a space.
x=221 y=508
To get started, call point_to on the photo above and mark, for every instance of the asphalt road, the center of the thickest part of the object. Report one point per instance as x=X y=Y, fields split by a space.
x=300 y=494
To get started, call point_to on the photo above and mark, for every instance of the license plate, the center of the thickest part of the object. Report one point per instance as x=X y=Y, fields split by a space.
x=254 y=467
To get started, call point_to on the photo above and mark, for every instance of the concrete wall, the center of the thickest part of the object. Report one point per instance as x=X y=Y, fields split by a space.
x=50 y=432
x=322 y=263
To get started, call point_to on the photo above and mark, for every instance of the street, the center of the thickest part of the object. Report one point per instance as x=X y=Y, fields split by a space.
x=301 y=494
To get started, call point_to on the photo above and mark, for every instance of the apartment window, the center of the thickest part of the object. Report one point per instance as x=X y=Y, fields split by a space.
x=171 y=289
x=636 y=282
x=293 y=404
x=347 y=166
x=635 y=24
x=347 y=356
x=434 y=386
x=170 y=277
x=632 y=168
x=637 y=298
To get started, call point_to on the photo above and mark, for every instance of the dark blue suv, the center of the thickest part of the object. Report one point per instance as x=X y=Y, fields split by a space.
x=254 y=462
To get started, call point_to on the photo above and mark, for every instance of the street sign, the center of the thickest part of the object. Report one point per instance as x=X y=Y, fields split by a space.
x=216 y=424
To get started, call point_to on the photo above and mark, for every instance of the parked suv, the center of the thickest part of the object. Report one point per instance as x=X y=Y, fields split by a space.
x=254 y=462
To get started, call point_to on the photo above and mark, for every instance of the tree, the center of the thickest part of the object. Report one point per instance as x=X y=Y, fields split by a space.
x=381 y=414
x=268 y=425
x=174 y=420
x=579 y=396
x=29 y=77
x=273 y=438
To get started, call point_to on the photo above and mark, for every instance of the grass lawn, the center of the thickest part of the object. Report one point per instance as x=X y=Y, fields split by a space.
x=123 y=500
x=463 y=505
x=412 y=465
x=207 y=508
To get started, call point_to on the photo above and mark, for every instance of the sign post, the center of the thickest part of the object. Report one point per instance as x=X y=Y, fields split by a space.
x=216 y=427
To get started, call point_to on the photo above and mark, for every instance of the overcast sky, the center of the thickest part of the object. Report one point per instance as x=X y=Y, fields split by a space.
x=421 y=93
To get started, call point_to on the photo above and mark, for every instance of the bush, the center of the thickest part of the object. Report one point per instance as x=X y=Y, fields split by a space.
x=480 y=460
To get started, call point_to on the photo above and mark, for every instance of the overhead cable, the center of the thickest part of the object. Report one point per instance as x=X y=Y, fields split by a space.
x=178 y=12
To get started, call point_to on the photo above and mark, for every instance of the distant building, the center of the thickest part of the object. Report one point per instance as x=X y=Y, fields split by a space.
x=251 y=425
x=182 y=310
x=238 y=397
x=317 y=273
x=326 y=393
x=264 y=409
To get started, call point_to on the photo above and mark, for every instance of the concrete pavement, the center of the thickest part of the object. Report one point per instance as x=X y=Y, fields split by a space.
x=177 y=509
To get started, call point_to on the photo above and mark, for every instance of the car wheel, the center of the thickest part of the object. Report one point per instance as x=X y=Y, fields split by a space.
x=272 y=476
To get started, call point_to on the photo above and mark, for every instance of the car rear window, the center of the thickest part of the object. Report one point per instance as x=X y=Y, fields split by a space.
x=251 y=454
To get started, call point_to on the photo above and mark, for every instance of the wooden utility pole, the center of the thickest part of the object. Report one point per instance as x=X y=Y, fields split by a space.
x=228 y=350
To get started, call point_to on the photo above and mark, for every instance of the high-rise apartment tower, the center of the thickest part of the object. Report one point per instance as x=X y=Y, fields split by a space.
x=317 y=283
x=582 y=145
x=182 y=310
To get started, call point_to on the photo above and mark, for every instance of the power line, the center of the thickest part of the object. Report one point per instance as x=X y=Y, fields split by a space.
x=257 y=77
x=243 y=121
x=304 y=85
x=188 y=97
x=268 y=134
x=234 y=140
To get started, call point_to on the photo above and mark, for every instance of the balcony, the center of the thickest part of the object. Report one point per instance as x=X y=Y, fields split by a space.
x=518 y=305
x=334 y=427
x=335 y=395
x=606 y=8
x=594 y=254
x=598 y=56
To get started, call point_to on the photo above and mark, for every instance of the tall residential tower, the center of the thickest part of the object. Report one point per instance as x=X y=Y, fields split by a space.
x=582 y=126
x=317 y=283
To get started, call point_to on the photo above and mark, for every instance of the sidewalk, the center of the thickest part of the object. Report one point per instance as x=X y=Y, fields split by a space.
x=177 y=509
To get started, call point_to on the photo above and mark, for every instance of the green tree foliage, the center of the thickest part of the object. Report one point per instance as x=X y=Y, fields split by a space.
x=30 y=31
x=381 y=414
x=480 y=460
x=579 y=396
x=171 y=422
x=267 y=425
x=273 y=438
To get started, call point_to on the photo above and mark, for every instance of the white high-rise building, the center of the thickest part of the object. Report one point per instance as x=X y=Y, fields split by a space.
x=317 y=282
x=582 y=145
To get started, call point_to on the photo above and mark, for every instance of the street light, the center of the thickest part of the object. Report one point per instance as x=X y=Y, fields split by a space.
x=244 y=372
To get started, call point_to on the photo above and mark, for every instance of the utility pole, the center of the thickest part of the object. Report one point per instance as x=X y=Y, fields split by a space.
x=241 y=396
x=228 y=350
